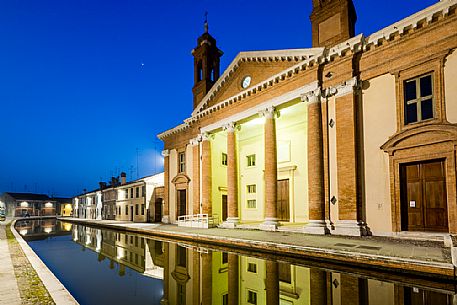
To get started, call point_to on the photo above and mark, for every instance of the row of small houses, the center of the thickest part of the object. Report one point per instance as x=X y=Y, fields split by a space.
x=30 y=204
x=140 y=200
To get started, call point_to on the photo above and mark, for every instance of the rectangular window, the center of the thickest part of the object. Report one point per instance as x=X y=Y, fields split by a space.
x=252 y=267
x=252 y=189
x=252 y=204
x=418 y=95
x=137 y=192
x=143 y=191
x=224 y=258
x=181 y=256
x=181 y=294
x=284 y=272
x=252 y=297
x=142 y=209
x=182 y=162
x=225 y=299
x=251 y=160
x=126 y=210
x=131 y=192
x=136 y=209
x=224 y=159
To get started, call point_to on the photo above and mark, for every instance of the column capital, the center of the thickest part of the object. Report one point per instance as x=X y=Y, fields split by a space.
x=268 y=112
x=206 y=136
x=165 y=153
x=312 y=96
x=231 y=127
x=342 y=89
x=195 y=141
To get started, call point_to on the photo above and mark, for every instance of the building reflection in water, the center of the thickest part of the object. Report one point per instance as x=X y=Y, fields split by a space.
x=195 y=275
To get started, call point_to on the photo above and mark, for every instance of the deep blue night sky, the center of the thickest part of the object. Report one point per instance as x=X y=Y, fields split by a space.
x=85 y=83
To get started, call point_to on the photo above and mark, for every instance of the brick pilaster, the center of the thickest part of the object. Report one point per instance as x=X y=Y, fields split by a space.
x=232 y=177
x=207 y=278
x=316 y=191
x=206 y=175
x=271 y=171
x=233 y=279
x=195 y=177
x=272 y=282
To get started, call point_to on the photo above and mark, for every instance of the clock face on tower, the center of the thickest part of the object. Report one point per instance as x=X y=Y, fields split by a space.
x=246 y=82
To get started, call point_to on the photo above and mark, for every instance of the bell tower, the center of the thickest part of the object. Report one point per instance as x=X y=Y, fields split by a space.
x=333 y=21
x=206 y=65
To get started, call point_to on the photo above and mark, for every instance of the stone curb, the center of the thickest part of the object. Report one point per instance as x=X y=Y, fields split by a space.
x=58 y=292
x=358 y=259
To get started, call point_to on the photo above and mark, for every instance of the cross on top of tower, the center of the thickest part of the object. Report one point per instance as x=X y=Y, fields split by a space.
x=206 y=22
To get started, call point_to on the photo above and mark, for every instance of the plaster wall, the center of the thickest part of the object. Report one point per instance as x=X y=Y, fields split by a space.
x=450 y=87
x=379 y=109
x=219 y=172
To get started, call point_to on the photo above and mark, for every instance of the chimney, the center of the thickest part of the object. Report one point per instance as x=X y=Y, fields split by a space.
x=114 y=181
x=102 y=185
x=123 y=178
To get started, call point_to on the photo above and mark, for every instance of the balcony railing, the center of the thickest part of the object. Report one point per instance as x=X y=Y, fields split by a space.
x=198 y=221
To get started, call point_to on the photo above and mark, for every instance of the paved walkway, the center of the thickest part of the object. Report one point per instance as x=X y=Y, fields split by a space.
x=407 y=255
x=9 y=292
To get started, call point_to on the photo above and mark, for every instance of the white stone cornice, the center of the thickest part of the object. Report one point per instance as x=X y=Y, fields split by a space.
x=165 y=153
x=425 y=16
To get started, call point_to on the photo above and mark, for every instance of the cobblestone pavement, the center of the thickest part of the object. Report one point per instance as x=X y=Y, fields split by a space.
x=401 y=253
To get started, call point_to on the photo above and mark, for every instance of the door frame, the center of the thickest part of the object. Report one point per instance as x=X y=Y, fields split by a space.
x=421 y=144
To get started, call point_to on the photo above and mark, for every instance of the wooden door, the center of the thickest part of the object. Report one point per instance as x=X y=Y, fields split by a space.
x=282 y=203
x=182 y=203
x=424 y=204
x=158 y=210
x=224 y=207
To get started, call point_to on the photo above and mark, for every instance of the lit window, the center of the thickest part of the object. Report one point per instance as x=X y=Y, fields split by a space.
x=251 y=160
x=252 y=267
x=418 y=99
x=224 y=159
x=252 y=204
x=182 y=162
x=251 y=189
x=252 y=297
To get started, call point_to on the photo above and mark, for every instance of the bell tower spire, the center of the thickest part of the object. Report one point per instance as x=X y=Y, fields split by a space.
x=333 y=21
x=206 y=64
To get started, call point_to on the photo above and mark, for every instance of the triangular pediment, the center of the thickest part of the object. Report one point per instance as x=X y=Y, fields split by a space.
x=259 y=66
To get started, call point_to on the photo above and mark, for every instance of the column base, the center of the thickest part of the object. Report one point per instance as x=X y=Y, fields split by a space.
x=166 y=219
x=270 y=224
x=230 y=223
x=350 y=228
x=316 y=227
x=164 y=302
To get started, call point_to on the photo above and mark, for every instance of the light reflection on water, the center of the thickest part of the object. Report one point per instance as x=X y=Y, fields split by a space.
x=100 y=266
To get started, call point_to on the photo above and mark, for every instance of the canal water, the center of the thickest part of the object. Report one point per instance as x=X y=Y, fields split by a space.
x=101 y=266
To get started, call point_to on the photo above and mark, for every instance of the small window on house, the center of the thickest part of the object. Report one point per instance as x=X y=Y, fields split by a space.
x=131 y=192
x=142 y=209
x=252 y=204
x=252 y=267
x=143 y=191
x=181 y=256
x=137 y=192
x=225 y=299
x=126 y=193
x=252 y=297
x=136 y=209
x=126 y=210
x=224 y=159
x=251 y=160
x=418 y=94
x=224 y=258
x=182 y=162
x=252 y=189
